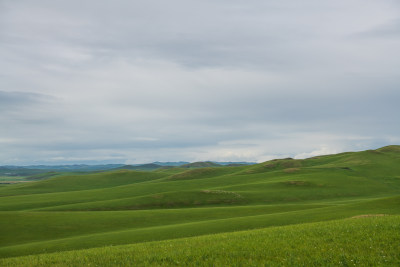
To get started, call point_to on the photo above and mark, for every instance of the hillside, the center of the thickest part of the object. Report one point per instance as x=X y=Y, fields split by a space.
x=119 y=207
x=149 y=166
x=365 y=241
x=200 y=164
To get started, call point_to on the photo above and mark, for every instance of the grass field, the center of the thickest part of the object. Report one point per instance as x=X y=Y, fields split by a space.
x=286 y=200
x=12 y=179
x=363 y=241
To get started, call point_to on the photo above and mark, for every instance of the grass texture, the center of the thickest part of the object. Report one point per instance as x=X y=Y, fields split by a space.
x=363 y=241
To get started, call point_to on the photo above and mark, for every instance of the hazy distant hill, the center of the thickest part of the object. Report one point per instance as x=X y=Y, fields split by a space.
x=75 y=167
x=171 y=163
x=181 y=164
x=235 y=163
x=201 y=164
x=34 y=170
x=18 y=171
x=148 y=166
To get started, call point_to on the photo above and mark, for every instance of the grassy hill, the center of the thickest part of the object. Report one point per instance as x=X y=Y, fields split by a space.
x=144 y=167
x=365 y=241
x=119 y=207
x=201 y=164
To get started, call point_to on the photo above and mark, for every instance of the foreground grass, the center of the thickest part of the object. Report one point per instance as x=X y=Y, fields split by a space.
x=362 y=241
x=163 y=225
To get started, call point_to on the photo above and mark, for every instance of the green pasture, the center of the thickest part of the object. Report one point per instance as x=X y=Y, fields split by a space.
x=82 y=211
x=12 y=179
x=363 y=241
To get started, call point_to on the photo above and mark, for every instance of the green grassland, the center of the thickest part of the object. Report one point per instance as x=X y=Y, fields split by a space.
x=369 y=241
x=11 y=179
x=148 y=209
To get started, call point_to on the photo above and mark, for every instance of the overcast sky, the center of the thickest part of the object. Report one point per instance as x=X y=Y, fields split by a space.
x=129 y=81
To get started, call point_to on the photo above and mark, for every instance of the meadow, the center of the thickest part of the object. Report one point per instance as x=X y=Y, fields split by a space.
x=363 y=241
x=329 y=210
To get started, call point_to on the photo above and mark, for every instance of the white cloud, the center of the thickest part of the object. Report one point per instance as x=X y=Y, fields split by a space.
x=196 y=80
x=321 y=151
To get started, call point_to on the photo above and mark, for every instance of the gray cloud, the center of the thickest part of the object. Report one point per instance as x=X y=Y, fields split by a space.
x=141 y=81
x=12 y=99
x=385 y=31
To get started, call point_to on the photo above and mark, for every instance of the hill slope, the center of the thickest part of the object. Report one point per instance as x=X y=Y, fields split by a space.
x=361 y=241
x=201 y=164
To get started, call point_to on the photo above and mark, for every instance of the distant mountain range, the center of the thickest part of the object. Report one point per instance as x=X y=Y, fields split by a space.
x=36 y=169
x=200 y=164
x=10 y=170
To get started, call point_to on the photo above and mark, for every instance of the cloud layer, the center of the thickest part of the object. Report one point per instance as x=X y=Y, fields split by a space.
x=133 y=81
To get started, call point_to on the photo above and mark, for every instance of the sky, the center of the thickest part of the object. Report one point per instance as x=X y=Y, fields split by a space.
x=129 y=81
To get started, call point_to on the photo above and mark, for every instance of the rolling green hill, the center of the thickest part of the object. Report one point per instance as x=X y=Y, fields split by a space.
x=71 y=212
x=145 y=167
x=201 y=164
